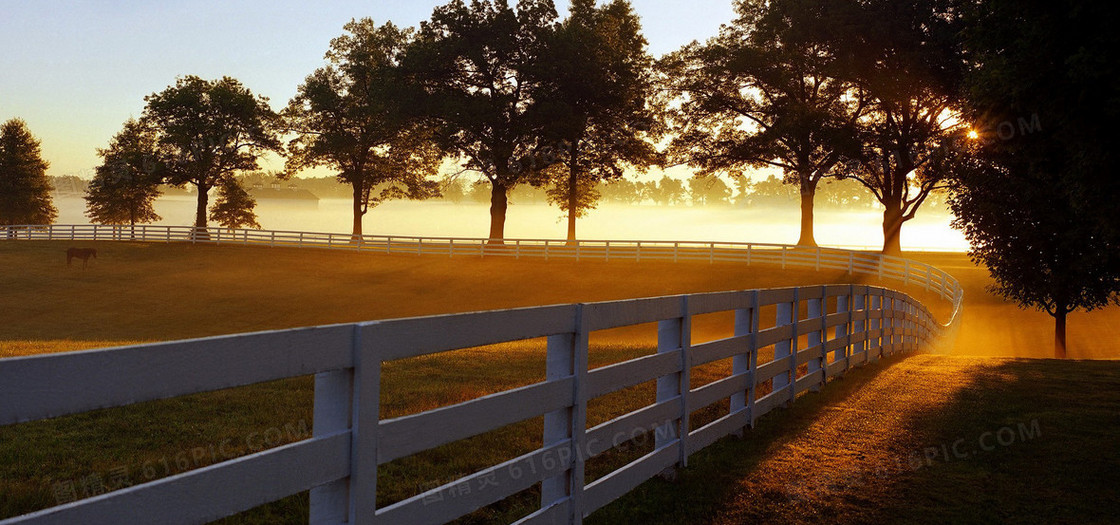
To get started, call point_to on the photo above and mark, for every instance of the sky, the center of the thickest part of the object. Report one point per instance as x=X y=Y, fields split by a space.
x=76 y=70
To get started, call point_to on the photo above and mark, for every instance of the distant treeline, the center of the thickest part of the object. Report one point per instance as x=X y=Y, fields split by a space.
x=710 y=191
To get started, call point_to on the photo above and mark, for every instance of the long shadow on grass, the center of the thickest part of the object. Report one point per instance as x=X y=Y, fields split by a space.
x=710 y=481
x=1026 y=441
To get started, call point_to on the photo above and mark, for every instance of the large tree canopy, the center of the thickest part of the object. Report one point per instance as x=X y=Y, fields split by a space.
x=25 y=191
x=127 y=182
x=765 y=93
x=1038 y=201
x=594 y=103
x=353 y=116
x=905 y=55
x=208 y=130
x=474 y=65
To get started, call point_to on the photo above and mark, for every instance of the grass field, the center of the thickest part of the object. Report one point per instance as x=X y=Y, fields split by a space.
x=136 y=292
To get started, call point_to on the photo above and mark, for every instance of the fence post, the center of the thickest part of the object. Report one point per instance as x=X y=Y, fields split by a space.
x=607 y=253
x=749 y=254
x=851 y=263
x=451 y=248
x=875 y=344
x=746 y=324
x=786 y=315
x=844 y=304
x=818 y=258
x=817 y=311
x=365 y=415
x=567 y=356
x=330 y=503
x=674 y=335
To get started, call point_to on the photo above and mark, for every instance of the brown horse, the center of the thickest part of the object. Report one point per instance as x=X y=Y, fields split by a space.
x=81 y=253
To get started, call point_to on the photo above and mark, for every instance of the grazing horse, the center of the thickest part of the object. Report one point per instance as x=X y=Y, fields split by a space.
x=81 y=253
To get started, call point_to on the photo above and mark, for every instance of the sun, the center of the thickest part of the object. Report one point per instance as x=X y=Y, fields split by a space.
x=973 y=134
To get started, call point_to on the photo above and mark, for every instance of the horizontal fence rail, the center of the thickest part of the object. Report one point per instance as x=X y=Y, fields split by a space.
x=898 y=269
x=819 y=333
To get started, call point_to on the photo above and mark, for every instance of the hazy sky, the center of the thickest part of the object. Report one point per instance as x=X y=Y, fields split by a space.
x=76 y=70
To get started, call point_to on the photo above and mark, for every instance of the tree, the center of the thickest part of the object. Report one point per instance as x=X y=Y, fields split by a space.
x=25 y=191
x=905 y=55
x=234 y=206
x=1037 y=201
x=762 y=94
x=127 y=182
x=206 y=131
x=706 y=191
x=352 y=116
x=473 y=64
x=1040 y=249
x=596 y=85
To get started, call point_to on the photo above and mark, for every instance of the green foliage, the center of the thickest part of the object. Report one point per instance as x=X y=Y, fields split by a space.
x=596 y=102
x=25 y=191
x=762 y=95
x=905 y=56
x=206 y=131
x=1035 y=202
x=127 y=182
x=234 y=206
x=473 y=64
x=352 y=116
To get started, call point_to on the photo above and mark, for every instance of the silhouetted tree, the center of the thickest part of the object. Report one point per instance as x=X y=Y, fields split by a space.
x=905 y=56
x=762 y=94
x=1038 y=203
x=207 y=130
x=1041 y=250
x=473 y=62
x=351 y=116
x=596 y=87
x=127 y=182
x=25 y=191
x=234 y=206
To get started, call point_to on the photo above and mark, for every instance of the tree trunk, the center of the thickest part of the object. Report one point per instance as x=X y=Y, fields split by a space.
x=573 y=197
x=200 y=223
x=892 y=230
x=1060 y=334
x=808 y=193
x=499 y=201
x=356 y=231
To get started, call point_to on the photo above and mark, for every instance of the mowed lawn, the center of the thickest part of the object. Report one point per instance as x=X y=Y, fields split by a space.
x=138 y=292
x=150 y=292
x=993 y=327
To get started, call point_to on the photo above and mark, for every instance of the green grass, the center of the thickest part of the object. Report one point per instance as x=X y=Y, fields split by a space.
x=136 y=292
x=1056 y=462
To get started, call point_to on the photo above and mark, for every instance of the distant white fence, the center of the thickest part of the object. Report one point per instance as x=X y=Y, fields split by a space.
x=899 y=269
x=842 y=326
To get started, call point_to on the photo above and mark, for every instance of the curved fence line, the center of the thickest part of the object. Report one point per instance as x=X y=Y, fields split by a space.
x=899 y=269
x=818 y=333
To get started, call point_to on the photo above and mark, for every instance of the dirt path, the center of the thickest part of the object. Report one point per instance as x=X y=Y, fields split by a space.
x=846 y=461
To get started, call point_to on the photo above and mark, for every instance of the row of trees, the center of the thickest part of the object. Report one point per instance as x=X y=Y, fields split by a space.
x=522 y=97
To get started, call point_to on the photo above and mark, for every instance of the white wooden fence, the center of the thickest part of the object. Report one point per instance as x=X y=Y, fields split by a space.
x=885 y=267
x=842 y=326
